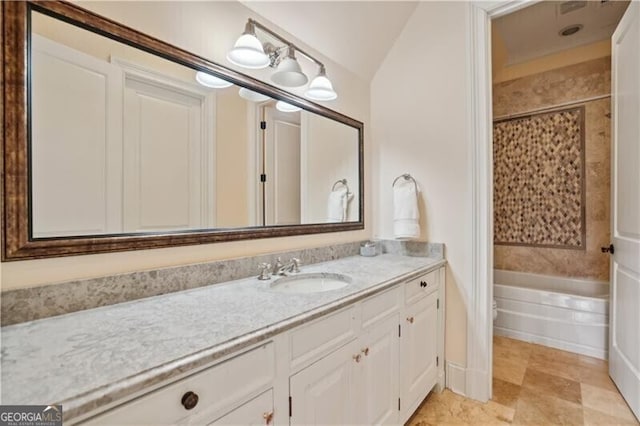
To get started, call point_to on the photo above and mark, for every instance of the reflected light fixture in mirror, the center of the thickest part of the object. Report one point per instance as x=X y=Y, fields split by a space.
x=288 y=72
x=211 y=81
x=286 y=107
x=252 y=96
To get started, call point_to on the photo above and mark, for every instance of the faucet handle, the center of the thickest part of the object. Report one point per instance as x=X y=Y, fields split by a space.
x=277 y=265
x=296 y=264
x=265 y=274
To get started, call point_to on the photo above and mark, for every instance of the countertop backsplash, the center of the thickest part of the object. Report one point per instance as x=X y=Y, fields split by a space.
x=28 y=304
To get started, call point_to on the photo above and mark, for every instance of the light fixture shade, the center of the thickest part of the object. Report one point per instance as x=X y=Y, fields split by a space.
x=286 y=107
x=209 y=80
x=248 y=53
x=289 y=73
x=321 y=89
x=252 y=96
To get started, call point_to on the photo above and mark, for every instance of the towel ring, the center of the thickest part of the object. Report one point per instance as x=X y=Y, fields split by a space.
x=342 y=182
x=406 y=176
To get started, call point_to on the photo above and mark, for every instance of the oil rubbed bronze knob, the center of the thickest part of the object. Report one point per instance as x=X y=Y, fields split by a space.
x=268 y=417
x=365 y=351
x=410 y=319
x=423 y=283
x=357 y=358
x=189 y=400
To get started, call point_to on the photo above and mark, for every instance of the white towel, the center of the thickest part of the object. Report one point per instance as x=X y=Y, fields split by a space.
x=406 y=215
x=336 y=206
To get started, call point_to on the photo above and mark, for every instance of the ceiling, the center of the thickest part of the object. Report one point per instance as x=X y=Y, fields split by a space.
x=532 y=32
x=355 y=34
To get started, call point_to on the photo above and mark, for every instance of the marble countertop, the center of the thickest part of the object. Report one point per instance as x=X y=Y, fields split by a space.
x=88 y=359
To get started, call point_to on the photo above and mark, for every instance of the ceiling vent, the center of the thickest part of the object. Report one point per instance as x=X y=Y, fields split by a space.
x=571 y=6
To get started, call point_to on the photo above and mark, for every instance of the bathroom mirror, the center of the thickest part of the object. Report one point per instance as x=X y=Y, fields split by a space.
x=115 y=141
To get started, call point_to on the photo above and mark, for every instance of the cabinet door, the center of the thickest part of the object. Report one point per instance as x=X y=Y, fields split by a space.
x=379 y=368
x=258 y=411
x=325 y=393
x=419 y=349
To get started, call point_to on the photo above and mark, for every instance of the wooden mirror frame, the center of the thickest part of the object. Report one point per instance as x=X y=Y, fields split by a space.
x=16 y=198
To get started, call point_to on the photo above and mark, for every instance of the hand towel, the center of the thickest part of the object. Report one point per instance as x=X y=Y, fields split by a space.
x=406 y=215
x=336 y=205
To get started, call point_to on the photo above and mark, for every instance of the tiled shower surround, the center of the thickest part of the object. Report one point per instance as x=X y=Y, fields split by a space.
x=572 y=83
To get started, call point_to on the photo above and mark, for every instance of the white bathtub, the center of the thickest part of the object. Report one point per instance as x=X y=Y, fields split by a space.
x=564 y=313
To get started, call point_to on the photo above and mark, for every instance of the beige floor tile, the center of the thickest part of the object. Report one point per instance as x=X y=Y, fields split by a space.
x=448 y=408
x=506 y=348
x=558 y=363
x=552 y=385
x=607 y=402
x=594 y=363
x=509 y=370
x=596 y=418
x=535 y=408
x=595 y=376
x=505 y=393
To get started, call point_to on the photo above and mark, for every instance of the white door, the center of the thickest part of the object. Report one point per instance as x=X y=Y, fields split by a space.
x=282 y=167
x=624 y=351
x=76 y=142
x=165 y=165
x=325 y=393
x=380 y=381
x=419 y=349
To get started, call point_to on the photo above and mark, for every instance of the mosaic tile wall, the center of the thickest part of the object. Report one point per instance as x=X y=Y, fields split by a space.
x=567 y=84
x=539 y=196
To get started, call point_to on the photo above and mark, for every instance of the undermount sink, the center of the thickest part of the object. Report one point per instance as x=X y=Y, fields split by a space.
x=310 y=283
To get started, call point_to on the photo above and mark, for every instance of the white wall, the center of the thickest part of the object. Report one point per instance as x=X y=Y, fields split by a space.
x=208 y=29
x=419 y=126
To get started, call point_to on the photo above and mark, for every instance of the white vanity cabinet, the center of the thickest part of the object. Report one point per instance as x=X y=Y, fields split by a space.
x=371 y=362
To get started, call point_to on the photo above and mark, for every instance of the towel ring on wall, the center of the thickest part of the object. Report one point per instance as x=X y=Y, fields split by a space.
x=343 y=182
x=406 y=176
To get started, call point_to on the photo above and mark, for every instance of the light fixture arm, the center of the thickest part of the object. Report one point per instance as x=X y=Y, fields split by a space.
x=256 y=24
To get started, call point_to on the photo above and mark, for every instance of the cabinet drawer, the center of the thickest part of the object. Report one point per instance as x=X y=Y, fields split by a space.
x=380 y=306
x=258 y=411
x=218 y=388
x=314 y=340
x=418 y=288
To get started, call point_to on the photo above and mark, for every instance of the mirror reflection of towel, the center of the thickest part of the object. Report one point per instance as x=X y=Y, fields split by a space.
x=338 y=205
x=406 y=215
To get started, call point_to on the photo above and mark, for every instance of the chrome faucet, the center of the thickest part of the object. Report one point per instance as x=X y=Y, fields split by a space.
x=292 y=266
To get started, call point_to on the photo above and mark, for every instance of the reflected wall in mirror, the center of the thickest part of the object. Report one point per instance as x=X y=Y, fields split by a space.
x=125 y=140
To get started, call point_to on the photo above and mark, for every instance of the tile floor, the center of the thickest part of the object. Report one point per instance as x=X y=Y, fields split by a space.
x=534 y=385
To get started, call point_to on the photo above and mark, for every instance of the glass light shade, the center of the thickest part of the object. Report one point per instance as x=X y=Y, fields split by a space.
x=289 y=73
x=252 y=96
x=321 y=89
x=209 y=80
x=286 y=107
x=248 y=53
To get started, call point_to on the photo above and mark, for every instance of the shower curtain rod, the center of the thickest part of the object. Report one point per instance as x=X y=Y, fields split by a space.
x=550 y=108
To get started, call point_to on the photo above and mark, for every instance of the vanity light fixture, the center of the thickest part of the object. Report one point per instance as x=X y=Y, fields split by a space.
x=252 y=96
x=209 y=80
x=249 y=52
x=286 y=107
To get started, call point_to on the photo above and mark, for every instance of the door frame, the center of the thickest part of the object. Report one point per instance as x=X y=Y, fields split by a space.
x=478 y=374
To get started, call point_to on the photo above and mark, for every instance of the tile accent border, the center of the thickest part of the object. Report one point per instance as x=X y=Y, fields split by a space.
x=29 y=304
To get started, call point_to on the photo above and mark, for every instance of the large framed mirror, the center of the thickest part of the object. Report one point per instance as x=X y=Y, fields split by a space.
x=115 y=140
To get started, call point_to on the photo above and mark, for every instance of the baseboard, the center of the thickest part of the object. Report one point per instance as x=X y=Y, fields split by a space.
x=456 y=378
x=551 y=342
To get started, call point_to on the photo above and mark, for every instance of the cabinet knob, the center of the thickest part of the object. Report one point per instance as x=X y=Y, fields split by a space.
x=357 y=358
x=423 y=283
x=189 y=400
x=365 y=351
x=410 y=320
x=268 y=417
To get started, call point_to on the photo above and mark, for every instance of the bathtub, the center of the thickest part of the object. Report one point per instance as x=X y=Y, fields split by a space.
x=564 y=313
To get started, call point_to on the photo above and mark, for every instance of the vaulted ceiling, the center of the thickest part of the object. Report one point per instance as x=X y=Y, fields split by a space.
x=355 y=34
